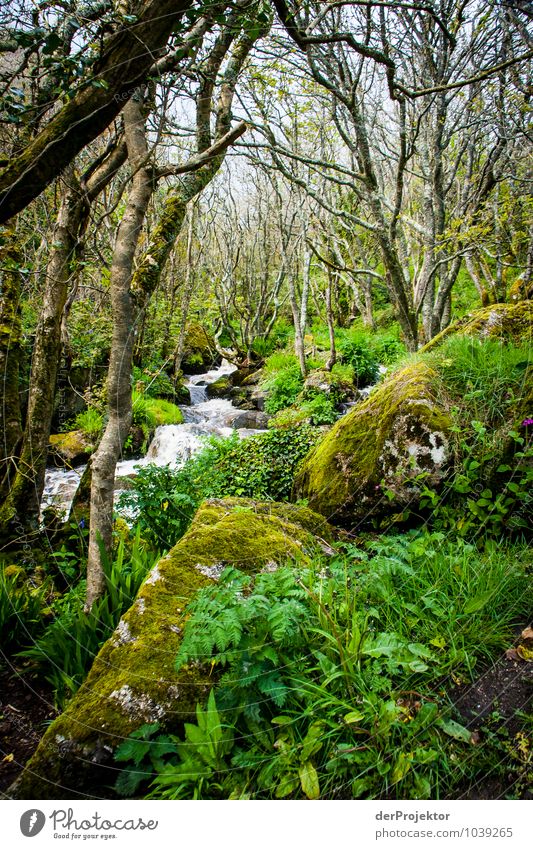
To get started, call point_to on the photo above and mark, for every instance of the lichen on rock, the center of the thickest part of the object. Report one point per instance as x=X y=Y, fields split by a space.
x=133 y=679
x=369 y=463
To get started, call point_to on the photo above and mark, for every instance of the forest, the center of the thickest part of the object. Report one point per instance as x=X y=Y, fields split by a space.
x=266 y=454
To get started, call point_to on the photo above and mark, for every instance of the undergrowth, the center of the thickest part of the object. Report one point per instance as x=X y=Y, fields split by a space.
x=331 y=682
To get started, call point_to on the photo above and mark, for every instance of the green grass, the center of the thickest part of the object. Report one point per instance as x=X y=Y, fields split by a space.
x=485 y=377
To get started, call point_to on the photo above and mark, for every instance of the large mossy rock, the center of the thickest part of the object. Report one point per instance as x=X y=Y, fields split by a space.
x=366 y=465
x=133 y=679
x=509 y=322
x=199 y=354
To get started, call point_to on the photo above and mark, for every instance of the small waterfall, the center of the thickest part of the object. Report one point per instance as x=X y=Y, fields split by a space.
x=197 y=392
x=172 y=445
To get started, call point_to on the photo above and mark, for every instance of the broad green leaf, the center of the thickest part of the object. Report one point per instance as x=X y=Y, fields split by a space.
x=401 y=767
x=353 y=716
x=453 y=729
x=309 y=780
x=478 y=602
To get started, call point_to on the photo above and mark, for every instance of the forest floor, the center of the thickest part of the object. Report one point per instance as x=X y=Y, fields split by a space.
x=26 y=707
x=503 y=694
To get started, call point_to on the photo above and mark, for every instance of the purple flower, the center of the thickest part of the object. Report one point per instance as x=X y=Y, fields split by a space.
x=527 y=422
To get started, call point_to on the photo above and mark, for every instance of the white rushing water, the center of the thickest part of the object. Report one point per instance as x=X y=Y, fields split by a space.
x=172 y=445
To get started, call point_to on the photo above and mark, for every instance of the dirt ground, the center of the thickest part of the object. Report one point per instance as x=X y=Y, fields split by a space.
x=26 y=707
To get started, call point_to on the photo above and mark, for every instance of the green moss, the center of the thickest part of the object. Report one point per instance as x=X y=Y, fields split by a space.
x=133 y=679
x=71 y=447
x=199 y=351
x=164 y=412
x=382 y=444
x=510 y=322
x=219 y=388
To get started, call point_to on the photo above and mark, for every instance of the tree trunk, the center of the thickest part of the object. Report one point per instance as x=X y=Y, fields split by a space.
x=104 y=461
x=332 y=359
x=299 y=347
x=10 y=349
x=25 y=494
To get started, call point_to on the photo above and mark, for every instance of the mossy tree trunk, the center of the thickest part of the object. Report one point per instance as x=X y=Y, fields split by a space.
x=10 y=349
x=131 y=290
x=25 y=491
x=126 y=59
x=104 y=461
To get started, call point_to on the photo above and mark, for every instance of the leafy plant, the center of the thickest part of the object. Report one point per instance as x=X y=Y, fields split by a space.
x=283 y=381
x=65 y=651
x=90 y=421
x=22 y=607
x=264 y=465
x=363 y=360
x=354 y=654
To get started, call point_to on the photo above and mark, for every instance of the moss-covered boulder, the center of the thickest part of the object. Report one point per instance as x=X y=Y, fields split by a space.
x=508 y=322
x=133 y=679
x=200 y=352
x=219 y=388
x=369 y=464
x=70 y=449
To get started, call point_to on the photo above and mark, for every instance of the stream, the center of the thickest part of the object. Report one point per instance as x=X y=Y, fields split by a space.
x=172 y=445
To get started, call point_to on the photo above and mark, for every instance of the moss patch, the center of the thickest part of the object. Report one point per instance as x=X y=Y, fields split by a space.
x=219 y=388
x=510 y=322
x=133 y=679
x=199 y=350
x=72 y=448
x=366 y=464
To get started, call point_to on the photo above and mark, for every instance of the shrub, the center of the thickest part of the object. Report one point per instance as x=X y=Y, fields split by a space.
x=283 y=381
x=90 y=421
x=363 y=360
x=263 y=466
x=164 y=500
x=153 y=381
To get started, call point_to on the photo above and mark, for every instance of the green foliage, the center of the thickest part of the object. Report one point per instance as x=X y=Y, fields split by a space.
x=363 y=360
x=488 y=492
x=485 y=377
x=353 y=653
x=65 y=651
x=264 y=465
x=22 y=607
x=152 y=380
x=316 y=408
x=320 y=408
x=143 y=414
x=194 y=762
x=164 y=412
x=164 y=499
x=89 y=333
x=283 y=381
x=90 y=421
